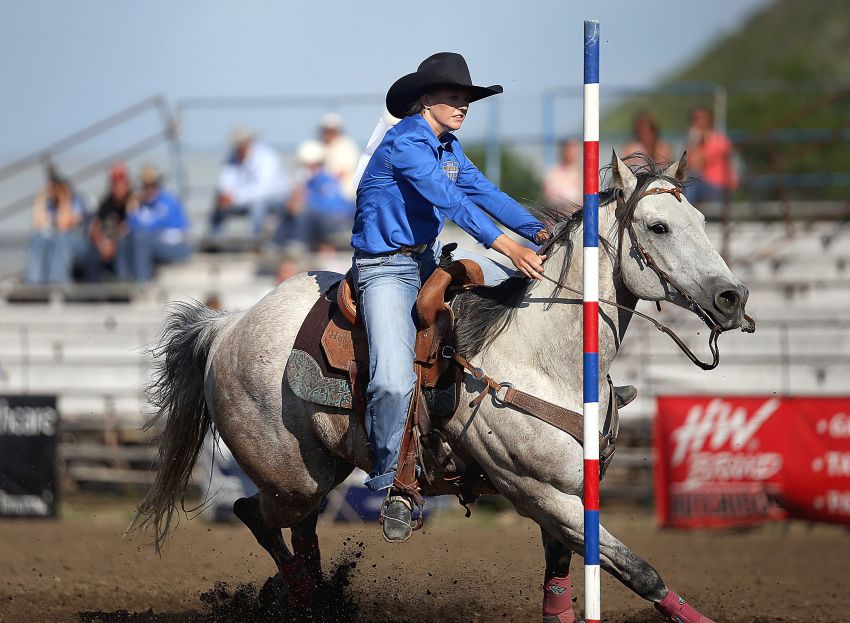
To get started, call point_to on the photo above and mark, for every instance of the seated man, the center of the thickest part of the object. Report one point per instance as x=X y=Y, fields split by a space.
x=57 y=216
x=158 y=231
x=319 y=214
x=252 y=182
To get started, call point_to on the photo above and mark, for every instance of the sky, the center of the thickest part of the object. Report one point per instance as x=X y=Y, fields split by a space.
x=68 y=64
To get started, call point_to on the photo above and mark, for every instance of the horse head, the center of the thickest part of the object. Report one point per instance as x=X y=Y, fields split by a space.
x=664 y=253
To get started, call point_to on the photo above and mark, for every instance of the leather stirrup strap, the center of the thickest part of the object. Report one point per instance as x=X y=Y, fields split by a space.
x=405 y=476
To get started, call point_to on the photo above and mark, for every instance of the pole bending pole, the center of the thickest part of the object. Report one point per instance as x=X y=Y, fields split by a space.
x=592 y=608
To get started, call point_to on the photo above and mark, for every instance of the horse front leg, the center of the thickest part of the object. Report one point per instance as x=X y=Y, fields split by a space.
x=561 y=515
x=557 y=584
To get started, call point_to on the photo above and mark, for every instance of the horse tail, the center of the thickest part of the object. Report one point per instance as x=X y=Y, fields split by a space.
x=176 y=392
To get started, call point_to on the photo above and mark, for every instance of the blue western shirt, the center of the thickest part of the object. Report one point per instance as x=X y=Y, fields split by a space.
x=324 y=195
x=414 y=181
x=163 y=212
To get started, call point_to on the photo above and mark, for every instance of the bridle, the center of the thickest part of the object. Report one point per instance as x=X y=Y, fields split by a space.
x=626 y=223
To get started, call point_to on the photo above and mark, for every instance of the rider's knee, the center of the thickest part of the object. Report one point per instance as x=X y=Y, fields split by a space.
x=395 y=388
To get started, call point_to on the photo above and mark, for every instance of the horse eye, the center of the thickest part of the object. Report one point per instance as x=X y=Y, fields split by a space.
x=658 y=228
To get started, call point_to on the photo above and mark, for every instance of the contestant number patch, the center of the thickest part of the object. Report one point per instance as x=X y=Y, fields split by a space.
x=452 y=169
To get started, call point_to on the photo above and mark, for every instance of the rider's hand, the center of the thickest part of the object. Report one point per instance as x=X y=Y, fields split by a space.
x=525 y=260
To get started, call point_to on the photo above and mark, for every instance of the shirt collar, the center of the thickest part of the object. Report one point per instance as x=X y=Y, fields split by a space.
x=445 y=140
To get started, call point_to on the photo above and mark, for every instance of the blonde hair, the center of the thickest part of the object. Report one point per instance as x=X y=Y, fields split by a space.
x=417 y=106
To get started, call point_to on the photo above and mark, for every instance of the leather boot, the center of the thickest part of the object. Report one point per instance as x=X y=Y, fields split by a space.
x=396 y=518
x=624 y=394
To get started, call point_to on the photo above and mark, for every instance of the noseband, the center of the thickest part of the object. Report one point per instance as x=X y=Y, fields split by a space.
x=627 y=224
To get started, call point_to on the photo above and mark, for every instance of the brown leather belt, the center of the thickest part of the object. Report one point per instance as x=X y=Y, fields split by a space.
x=414 y=250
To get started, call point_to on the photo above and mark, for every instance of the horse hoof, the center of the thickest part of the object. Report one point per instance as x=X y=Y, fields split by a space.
x=301 y=586
x=677 y=609
x=272 y=592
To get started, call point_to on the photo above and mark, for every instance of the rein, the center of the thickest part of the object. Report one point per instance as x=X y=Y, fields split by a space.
x=716 y=330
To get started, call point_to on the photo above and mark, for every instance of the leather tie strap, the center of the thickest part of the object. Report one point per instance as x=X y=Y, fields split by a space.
x=561 y=418
x=566 y=420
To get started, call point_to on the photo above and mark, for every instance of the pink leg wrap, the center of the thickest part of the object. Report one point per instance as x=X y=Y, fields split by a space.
x=677 y=609
x=303 y=575
x=558 y=599
x=307 y=552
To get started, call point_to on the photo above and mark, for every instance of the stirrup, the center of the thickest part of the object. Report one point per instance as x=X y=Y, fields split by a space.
x=416 y=507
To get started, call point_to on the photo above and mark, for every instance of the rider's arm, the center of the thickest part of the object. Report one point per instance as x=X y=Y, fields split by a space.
x=414 y=160
x=496 y=203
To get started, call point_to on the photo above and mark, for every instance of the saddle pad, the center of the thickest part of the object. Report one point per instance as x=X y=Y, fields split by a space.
x=305 y=378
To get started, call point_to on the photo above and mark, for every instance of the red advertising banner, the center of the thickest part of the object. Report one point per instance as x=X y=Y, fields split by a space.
x=736 y=461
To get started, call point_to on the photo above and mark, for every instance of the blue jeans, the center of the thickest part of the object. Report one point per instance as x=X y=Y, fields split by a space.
x=310 y=228
x=387 y=287
x=258 y=210
x=139 y=251
x=52 y=256
x=699 y=191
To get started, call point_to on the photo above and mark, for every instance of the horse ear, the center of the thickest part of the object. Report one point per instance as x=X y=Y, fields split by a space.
x=622 y=176
x=677 y=169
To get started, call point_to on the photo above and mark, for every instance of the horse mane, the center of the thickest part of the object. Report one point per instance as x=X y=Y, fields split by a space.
x=484 y=312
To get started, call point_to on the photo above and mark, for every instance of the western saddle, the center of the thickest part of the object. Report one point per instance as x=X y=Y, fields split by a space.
x=336 y=374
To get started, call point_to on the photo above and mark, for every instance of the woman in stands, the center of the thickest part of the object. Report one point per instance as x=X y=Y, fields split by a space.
x=418 y=177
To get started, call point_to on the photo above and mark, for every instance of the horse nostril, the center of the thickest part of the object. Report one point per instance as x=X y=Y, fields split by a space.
x=728 y=300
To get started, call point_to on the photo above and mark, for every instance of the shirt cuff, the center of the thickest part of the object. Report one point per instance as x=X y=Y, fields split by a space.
x=530 y=231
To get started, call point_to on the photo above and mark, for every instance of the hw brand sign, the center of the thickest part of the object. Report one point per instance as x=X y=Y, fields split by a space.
x=741 y=460
x=28 y=426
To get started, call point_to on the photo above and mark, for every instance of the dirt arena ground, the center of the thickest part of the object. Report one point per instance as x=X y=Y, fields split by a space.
x=481 y=569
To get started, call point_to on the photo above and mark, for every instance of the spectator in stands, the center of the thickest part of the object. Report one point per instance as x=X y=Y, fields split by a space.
x=562 y=185
x=158 y=230
x=341 y=153
x=710 y=156
x=109 y=225
x=58 y=218
x=647 y=139
x=252 y=182
x=323 y=214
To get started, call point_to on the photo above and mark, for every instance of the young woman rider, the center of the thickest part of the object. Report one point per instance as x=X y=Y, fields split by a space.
x=418 y=177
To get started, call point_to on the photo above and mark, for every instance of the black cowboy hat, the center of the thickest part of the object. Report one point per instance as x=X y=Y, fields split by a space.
x=443 y=69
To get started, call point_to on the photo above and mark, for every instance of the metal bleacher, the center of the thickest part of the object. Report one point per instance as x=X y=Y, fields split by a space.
x=93 y=356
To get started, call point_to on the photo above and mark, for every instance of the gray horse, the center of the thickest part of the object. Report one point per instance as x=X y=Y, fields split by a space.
x=228 y=369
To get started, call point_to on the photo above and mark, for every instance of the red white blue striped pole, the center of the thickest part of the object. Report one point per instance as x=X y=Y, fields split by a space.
x=592 y=608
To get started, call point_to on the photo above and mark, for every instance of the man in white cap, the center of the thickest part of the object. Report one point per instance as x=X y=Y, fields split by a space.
x=341 y=153
x=252 y=181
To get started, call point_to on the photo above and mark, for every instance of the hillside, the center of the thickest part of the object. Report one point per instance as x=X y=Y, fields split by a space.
x=786 y=40
x=778 y=129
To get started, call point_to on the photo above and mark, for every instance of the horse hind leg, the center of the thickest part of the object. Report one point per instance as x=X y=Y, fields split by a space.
x=300 y=572
x=557 y=584
x=270 y=539
x=305 y=548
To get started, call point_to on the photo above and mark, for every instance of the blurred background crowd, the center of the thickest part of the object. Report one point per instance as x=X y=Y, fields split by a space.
x=138 y=223
x=305 y=209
